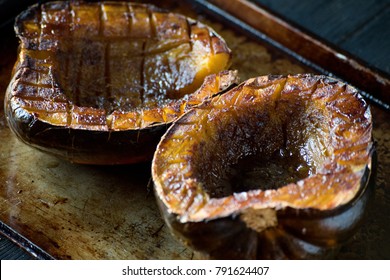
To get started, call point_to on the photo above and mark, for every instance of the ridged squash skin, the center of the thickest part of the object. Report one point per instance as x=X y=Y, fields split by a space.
x=279 y=167
x=99 y=83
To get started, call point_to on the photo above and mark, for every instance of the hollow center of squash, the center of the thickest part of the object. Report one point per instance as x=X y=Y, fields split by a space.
x=253 y=149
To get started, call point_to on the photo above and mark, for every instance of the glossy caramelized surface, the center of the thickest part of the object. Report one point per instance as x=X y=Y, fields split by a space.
x=109 y=65
x=316 y=126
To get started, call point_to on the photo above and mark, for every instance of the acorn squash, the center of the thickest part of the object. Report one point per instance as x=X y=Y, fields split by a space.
x=98 y=83
x=279 y=167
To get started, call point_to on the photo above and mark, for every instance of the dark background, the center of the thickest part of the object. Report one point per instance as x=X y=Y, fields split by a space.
x=360 y=27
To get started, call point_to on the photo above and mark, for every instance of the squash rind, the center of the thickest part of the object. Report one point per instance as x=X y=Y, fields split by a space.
x=313 y=212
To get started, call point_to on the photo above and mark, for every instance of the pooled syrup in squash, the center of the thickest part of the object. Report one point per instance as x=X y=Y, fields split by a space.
x=258 y=172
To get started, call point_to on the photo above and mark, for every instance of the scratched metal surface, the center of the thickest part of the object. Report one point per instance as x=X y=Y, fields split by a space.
x=97 y=212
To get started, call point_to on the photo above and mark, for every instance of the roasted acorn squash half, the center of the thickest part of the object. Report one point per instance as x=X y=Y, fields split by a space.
x=279 y=167
x=98 y=83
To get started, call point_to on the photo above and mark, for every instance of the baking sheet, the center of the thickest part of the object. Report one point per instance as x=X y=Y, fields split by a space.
x=74 y=211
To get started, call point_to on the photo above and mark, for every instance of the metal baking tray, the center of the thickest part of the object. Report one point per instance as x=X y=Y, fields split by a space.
x=54 y=209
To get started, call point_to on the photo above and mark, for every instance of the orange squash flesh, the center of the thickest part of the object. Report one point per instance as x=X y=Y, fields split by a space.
x=283 y=161
x=107 y=67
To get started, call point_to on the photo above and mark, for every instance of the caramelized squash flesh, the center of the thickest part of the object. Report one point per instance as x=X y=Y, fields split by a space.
x=277 y=167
